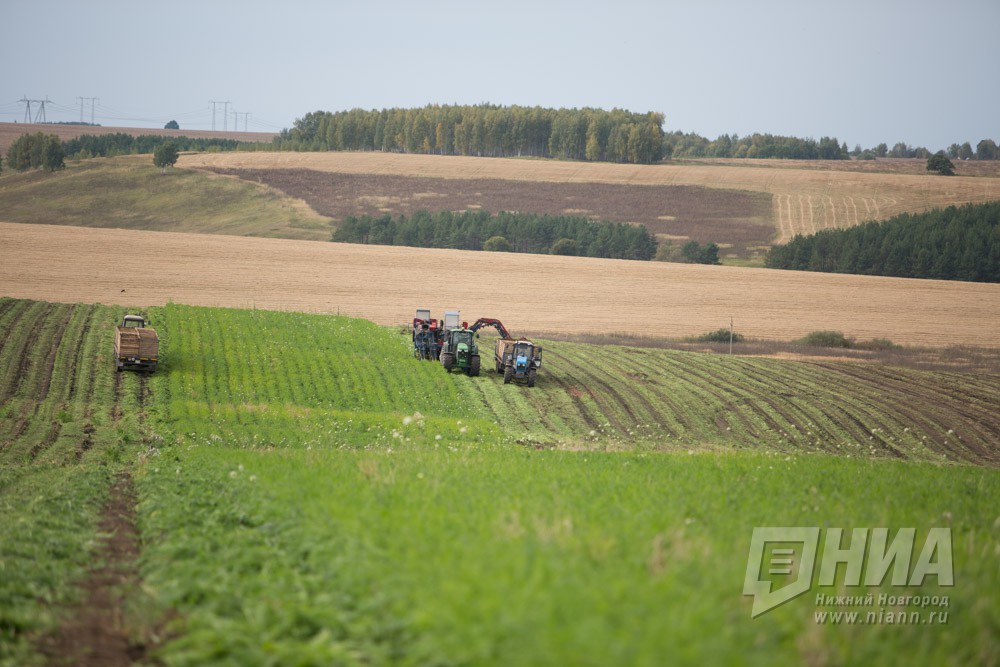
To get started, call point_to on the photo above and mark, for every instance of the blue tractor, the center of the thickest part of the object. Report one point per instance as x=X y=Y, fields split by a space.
x=517 y=360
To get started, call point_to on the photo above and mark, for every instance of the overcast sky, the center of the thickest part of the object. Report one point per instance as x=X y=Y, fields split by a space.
x=917 y=71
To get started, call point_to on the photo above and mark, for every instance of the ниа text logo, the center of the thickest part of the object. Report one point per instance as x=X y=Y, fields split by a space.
x=782 y=561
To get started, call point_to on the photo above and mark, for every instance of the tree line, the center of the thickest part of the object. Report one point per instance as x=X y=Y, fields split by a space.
x=119 y=143
x=485 y=130
x=956 y=243
x=691 y=145
x=506 y=231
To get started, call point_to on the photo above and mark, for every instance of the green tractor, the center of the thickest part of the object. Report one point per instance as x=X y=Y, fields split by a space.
x=460 y=351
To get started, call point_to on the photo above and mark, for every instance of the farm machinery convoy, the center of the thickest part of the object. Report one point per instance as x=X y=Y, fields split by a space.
x=453 y=342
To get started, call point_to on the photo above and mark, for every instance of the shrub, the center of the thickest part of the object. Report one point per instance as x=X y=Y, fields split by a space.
x=878 y=345
x=826 y=339
x=719 y=336
x=566 y=246
x=497 y=244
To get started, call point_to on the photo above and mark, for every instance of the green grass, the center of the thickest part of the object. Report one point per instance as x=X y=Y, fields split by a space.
x=312 y=494
x=129 y=192
x=498 y=556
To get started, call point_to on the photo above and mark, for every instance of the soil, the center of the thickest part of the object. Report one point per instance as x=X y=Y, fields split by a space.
x=679 y=212
x=95 y=633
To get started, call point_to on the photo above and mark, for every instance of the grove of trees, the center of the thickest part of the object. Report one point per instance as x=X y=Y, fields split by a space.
x=956 y=243
x=691 y=145
x=485 y=130
x=513 y=232
x=109 y=145
x=36 y=151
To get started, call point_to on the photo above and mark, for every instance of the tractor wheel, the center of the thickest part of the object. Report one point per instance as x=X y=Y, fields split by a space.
x=531 y=378
x=448 y=360
x=508 y=374
x=474 y=366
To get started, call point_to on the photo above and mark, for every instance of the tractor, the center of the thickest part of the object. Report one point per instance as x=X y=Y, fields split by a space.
x=460 y=351
x=518 y=360
x=426 y=335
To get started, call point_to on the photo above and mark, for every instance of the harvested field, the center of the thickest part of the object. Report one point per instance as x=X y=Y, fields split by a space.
x=803 y=200
x=888 y=165
x=9 y=132
x=573 y=295
x=742 y=219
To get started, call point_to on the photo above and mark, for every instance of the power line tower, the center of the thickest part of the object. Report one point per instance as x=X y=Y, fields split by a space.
x=93 y=100
x=236 y=120
x=225 y=105
x=40 y=114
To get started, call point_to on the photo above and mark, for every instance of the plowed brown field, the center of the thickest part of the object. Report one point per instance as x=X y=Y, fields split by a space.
x=803 y=200
x=538 y=293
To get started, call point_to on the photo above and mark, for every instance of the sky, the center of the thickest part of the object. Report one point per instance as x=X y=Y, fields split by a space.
x=914 y=71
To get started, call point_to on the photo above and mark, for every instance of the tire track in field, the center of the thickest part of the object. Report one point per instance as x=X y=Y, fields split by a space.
x=832 y=207
x=570 y=385
x=880 y=427
x=35 y=368
x=46 y=383
x=5 y=306
x=728 y=393
x=622 y=362
x=665 y=409
x=27 y=322
x=806 y=383
x=95 y=631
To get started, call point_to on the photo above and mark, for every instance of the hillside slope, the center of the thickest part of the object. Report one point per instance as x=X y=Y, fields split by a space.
x=129 y=192
x=803 y=200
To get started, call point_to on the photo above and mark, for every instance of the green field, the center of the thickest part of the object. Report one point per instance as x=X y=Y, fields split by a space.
x=311 y=494
x=128 y=192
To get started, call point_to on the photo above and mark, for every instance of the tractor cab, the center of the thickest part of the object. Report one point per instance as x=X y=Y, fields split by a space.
x=462 y=341
x=523 y=354
x=460 y=351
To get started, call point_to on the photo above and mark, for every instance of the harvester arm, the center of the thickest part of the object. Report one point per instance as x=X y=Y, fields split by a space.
x=490 y=322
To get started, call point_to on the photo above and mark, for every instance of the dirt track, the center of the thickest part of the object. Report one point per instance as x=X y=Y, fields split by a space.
x=535 y=293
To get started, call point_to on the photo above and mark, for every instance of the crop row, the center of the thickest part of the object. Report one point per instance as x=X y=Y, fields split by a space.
x=286 y=379
x=67 y=422
x=619 y=397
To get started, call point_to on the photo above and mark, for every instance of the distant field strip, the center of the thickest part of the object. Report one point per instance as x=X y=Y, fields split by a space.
x=573 y=294
x=850 y=197
x=810 y=213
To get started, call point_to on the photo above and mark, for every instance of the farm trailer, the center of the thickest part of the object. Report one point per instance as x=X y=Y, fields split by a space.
x=137 y=347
